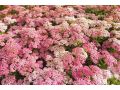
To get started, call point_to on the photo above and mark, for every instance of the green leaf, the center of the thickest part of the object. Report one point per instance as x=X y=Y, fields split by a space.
x=54 y=23
x=70 y=73
x=96 y=11
x=113 y=81
x=2 y=16
x=2 y=7
x=101 y=17
x=111 y=50
x=78 y=43
x=2 y=33
x=26 y=6
x=13 y=12
x=88 y=61
x=91 y=78
x=100 y=40
x=102 y=64
x=1 y=78
x=118 y=59
x=17 y=75
x=69 y=47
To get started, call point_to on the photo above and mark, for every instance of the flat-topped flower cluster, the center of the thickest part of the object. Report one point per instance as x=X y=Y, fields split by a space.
x=59 y=45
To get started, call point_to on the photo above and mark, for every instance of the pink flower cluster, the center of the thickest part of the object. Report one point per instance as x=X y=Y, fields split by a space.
x=59 y=45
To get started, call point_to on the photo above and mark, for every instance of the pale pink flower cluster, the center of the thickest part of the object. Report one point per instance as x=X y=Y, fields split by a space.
x=59 y=45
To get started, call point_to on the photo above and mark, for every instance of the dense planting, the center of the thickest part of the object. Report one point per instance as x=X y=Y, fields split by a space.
x=57 y=45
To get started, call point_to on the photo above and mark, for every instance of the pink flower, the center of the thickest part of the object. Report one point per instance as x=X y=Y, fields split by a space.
x=10 y=50
x=50 y=76
x=4 y=68
x=109 y=59
x=82 y=82
x=92 y=50
x=68 y=61
x=80 y=54
x=57 y=45
x=9 y=80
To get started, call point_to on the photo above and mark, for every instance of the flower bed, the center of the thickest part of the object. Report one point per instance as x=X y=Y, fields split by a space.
x=59 y=45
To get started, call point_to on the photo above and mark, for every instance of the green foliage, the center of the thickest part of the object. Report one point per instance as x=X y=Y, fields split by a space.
x=1 y=78
x=70 y=73
x=2 y=7
x=26 y=6
x=54 y=23
x=78 y=43
x=118 y=59
x=88 y=61
x=100 y=13
x=113 y=81
x=96 y=11
x=101 y=17
x=102 y=64
x=100 y=40
x=1 y=33
x=2 y=16
x=17 y=75
x=1 y=47
x=69 y=48
x=110 y=29
x=13 y=12
x=15 y=23
x=111 y=50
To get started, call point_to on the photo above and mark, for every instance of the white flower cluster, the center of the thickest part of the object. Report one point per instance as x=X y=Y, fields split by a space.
x=3 y=27
x=9 y=20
